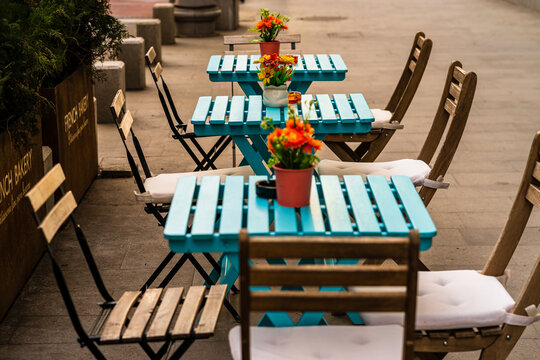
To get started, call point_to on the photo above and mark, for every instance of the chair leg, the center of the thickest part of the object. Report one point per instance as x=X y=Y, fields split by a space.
x=218 y=152
x=95 y=350
x=430 y=356
x=343 y=151
x=158 y=271
x=502 y=347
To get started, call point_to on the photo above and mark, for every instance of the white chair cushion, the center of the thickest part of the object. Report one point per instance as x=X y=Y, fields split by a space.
x=320 y=342
x=417 y=170
x=381 y=116
x=160 y=188
x=454 y=299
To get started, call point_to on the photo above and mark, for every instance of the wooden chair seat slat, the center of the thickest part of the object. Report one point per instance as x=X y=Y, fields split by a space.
x=438 y=334
x=162 y=320
x=57 y=216
x=188 y=312
x=316 y=275
x=211 y=310
x=45 y=187
x=465 y=333
x=536 y=171
x=112 y=330
x=137 y=324
x=392 y=300
x=533 y=195
x=491 y=331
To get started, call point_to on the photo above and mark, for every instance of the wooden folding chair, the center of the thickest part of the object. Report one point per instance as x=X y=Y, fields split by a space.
x=261 y=292
x=156 y=191
x=387 y=121
x=128 y=319
x=206 y=159
x=236 y=40
x=451 y=115
x=466 y=310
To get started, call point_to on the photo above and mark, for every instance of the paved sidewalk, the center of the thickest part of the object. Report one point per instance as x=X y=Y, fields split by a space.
x=497 y=40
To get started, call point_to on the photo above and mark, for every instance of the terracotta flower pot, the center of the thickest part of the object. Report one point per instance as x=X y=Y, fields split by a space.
x=293 y=186
x=270 y=47
x=275 y=96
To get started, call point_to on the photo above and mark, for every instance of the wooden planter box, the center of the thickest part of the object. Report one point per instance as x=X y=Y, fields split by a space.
x=70 y=131
x=21 y=245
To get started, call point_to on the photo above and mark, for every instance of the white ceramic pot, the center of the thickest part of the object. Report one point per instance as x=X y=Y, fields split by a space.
x=275 y=96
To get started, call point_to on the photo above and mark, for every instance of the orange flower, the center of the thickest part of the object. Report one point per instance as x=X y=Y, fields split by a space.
x=295 y=139
x=285 y=27
x=259 y=25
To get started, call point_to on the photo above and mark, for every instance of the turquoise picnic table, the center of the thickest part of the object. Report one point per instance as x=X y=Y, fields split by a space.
x=241 y=117
x=243 y=70
x=352 y=207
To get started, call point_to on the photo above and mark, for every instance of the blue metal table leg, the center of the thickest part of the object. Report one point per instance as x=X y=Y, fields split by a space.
x=301 y=86
x=250 y=87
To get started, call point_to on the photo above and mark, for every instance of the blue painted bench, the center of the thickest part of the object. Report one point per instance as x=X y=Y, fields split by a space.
x=243 y=70
x=241 y=116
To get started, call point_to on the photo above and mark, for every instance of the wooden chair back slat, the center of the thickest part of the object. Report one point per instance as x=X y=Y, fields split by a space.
x=526 y=198
x=57 y=216
x=315 y=275
x=118 y=103
x=46 y=187
x=416 y=54
x=450 y=106
x=536 y=171
x=412 y=65
x=533 y=195
x=451 y=115
x=157 y=70
x=141 y=316
x=188 y=313
x=319 y=247
x=212 y=308
x=233 y=40
x=162 y=320
x=150 y=54
x=384 y=301
x=125 y=125
x=112 y=330
x=420 y=40
x=459 y=74
x=455 y=91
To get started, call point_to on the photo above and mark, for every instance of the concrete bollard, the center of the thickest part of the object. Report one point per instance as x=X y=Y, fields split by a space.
x=149 y=30
x=115 y=78
x=228 y=20
x=165 y=13
x=132 y=55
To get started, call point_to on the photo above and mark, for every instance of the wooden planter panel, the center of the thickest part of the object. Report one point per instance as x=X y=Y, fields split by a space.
x=71 y=131
x=20 y=243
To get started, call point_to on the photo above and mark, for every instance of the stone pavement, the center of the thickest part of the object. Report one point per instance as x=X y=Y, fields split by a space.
x=497 y=40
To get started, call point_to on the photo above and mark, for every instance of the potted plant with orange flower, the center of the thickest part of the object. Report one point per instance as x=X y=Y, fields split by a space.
x=275 y=71
x=268 y=28
x=293 y=158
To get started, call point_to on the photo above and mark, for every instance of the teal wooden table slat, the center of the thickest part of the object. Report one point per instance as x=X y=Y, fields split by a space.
x=201 y=110
x=253 y=67
x=228 y=64
x=213 y=64
x=336 y=208
x=361 y=107
x=311 y=215
x=338 y=62
x=307 y=112
x=285 y=220
x=274 y=113
x=324 y=63
x=205 y=213
x=232 y=211
x=365 y=217
x=241 y=63
x=344 y=108
x=299 y=67
x=311 y=64
x=254 y=115
x=219 y=111
x=236 y=114
x=258 y=221
x=177 y=226
x=412 y=204
x=328 y=115
x=387 y=206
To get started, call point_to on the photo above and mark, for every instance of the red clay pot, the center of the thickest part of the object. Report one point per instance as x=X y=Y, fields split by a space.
x=269 y=48
x=293 y=186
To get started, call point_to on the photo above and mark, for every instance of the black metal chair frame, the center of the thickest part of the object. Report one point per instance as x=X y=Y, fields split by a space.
x=91 y=341
x=160 y=213
x=180 y=128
